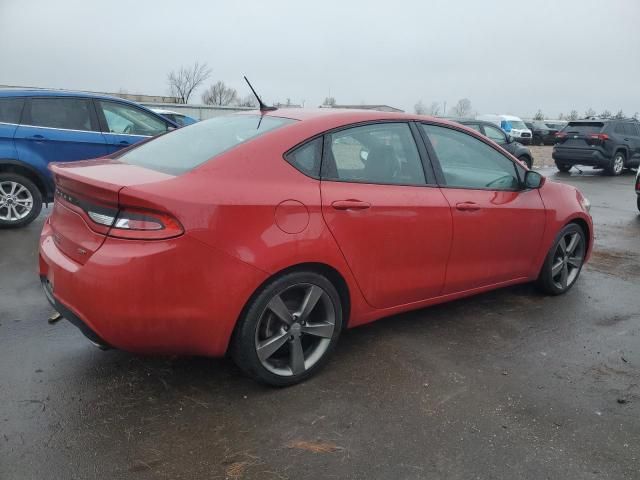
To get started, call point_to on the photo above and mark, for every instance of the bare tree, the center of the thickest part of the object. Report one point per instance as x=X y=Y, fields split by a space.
x=419 y=108
x=573 y=115
x=462 y=108
x=590 y=113
x=619 y=115
x=434 y=109
x=329 y=101
x=605 y=114
x=186 y=80
x=219 y=94
x=635 y=116
x=539 y=115
x=561 y=116
x=248 y=100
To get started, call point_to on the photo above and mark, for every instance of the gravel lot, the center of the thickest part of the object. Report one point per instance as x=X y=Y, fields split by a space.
x=510 y=384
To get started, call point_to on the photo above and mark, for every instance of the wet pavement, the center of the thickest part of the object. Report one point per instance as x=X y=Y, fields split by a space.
x=509 y=384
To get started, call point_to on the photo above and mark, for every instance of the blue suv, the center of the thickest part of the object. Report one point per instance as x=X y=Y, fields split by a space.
x=42 y=126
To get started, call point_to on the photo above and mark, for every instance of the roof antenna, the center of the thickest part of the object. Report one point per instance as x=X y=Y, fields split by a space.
x=263 y=107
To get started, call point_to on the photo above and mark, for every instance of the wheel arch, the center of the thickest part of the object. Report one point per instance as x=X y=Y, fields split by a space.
x=585 y=228
x=20 y=168
x=333 y=275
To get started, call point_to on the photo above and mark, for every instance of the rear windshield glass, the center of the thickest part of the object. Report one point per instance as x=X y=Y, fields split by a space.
x=583 y=128
x=186 y=148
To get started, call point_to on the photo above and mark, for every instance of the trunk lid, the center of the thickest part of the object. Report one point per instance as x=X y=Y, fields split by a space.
x=579 y=134
x=90 y=185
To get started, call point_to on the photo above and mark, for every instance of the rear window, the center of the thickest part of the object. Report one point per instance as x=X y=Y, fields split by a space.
x=186 y=148
x=583 y=128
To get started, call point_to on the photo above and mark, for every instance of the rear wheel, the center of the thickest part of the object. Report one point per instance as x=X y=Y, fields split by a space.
x=289 y=329
x=538 y=140
x=564 y=261
x=616 y=166
x=20 y=200
x=526 y=160
x=563 y=167
x=638 y=203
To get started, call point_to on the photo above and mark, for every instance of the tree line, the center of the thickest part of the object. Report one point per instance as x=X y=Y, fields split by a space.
x=589 y=113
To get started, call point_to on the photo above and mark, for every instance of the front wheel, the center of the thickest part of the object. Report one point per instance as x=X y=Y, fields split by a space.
x=563 y=167
x=289 y=329
x=638 y=203
x=564 y=261
x=20 y=201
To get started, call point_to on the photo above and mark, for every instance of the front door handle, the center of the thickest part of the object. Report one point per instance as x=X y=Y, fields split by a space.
x=123 y=142
x=350 y=205
x=467 y=206
x=37 y=137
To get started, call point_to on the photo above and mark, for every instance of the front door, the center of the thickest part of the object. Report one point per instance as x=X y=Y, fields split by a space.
x=497 y=225
x=393 y=230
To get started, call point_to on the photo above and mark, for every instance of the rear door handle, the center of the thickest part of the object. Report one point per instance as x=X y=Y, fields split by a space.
x=123 y=142
x=37 y=137
x=350 y=205
x=468 y=206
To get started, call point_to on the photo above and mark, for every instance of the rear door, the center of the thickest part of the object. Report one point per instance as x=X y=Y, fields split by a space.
x=497 y=226
x=58 y=129
x=392 y=225
x=124 y=124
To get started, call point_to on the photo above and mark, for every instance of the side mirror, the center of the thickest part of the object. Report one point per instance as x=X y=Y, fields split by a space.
x=509 y=138
x=533 y=179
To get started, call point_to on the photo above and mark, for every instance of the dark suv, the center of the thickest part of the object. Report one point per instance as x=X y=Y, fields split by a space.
x=498 y=135
x=610 y=144
x=543 y=133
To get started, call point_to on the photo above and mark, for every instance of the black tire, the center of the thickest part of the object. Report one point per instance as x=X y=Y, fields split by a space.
x=616 y=165
x=245 y=342
x=10 y=220
x=526 y=159
x=638 y=203
x=538 y=140
x=563 y=167
x=552 y=284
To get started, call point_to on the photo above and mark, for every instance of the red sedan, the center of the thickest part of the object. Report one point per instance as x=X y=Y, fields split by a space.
x=264 y=235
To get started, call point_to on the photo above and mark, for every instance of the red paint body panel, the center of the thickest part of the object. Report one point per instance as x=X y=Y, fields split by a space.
x=248 y=214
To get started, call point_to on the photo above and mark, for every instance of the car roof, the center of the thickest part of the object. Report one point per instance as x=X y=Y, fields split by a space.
x=466 y=121
x=43 y=92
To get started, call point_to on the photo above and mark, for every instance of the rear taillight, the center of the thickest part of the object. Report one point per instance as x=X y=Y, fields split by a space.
x=144 y=225
x=126 y=222
x=599 y=136
x=559 y=134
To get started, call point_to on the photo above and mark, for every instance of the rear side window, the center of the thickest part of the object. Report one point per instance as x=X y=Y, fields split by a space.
x=186 y=148
x=10 y=110
x=383 y=153
x=64 y=113
x=307 y=157
x=129 y=120
x=583 y=128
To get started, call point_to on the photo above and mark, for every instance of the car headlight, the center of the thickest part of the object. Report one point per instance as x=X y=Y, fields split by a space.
x=586 y=204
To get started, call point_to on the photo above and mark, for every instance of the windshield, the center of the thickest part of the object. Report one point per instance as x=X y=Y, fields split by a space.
x=186 y=148
x=517 y=124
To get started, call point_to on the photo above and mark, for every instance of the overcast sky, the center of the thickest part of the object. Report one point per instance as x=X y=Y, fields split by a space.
x=505 y=56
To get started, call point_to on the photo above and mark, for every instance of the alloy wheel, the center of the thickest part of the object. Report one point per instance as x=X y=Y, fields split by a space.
x=16 y=201
x=295 y=329
x=567 y=260
x=618 y=164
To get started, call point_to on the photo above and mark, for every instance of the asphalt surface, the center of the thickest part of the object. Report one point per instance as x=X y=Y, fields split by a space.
x=510 y=384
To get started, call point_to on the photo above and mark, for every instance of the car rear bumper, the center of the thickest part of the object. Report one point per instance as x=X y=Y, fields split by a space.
x=523 y=140
x=582 y=156
x=178 y=296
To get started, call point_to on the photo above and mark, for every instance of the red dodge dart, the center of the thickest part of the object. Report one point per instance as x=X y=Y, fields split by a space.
x=265 y=234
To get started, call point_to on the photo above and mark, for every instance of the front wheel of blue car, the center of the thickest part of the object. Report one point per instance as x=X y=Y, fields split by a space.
x=20 y=200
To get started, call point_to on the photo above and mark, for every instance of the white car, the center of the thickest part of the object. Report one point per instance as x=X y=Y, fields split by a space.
x=511 y=124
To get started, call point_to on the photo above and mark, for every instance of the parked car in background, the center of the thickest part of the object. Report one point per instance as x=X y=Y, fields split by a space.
x=638 y=188
x=42 y=126
x=265 y=235
x=610 y=144
x=175 y=117
x=511 y=124
x=543 y=132
x=503 y=139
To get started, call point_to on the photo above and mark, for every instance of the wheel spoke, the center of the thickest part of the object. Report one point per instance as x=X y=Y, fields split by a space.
x=575 y=262
x=20 y=190
x=296 y=356
x=564 y=276
x=310 y=301
x=573 y=243
x=13 y=188
x=277 y=306
x=271 y=345
x=324 y=329
x=563 y=245
x=556 y=268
